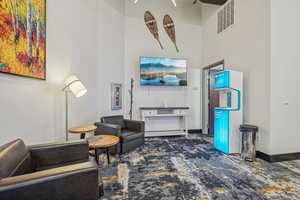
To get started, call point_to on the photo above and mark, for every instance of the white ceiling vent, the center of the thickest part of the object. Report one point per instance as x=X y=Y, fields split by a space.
x=226 y=16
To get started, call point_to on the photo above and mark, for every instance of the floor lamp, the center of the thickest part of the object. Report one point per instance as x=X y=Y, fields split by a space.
x=72 y=85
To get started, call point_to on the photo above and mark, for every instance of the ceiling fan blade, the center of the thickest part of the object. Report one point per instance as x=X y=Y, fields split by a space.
x=174 y=3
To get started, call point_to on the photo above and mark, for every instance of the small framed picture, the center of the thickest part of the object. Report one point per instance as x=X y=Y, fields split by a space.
x=116 y=96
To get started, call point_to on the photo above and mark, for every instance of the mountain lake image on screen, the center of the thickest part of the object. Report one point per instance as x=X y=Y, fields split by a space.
x=163 y=71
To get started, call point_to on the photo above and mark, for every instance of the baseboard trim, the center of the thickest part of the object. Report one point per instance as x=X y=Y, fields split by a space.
x=278 y=157
x=195 y=131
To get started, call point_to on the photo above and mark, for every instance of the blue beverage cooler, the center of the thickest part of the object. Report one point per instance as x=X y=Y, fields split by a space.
x=229 y=115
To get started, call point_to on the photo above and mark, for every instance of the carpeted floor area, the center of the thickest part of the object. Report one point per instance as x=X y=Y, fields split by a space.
x=178 y=168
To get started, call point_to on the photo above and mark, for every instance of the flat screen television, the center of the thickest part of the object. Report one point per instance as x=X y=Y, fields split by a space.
x=163 y=71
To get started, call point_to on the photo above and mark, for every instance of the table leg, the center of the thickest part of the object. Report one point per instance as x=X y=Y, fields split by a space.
x=82 y=136
x=107 y=153
x=119 y=149
x=97 y=156
x=101 y=189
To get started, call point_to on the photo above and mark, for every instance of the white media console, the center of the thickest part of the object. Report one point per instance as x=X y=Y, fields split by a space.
x=165 y=121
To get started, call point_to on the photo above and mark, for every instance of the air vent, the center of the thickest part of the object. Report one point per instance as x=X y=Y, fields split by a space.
x=226 y=16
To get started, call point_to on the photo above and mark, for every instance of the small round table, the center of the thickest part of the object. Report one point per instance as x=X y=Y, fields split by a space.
x=102 y=142
x=82 y=130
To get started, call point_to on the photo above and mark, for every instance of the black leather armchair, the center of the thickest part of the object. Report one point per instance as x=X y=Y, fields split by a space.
x=131 y=132
x=47 y=172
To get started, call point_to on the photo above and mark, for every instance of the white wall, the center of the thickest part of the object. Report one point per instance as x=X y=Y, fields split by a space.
x=87 y=38
x=140 y=42
x=285 y=70
x=110 y=51
x=34 y=110
x=92 y=39
x=245 y=47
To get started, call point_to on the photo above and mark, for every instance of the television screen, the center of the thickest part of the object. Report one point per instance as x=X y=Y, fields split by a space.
x=163 y=72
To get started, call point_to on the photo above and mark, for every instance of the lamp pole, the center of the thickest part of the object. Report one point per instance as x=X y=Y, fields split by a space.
x=66 y=89
x=67 y=114
x=74 y=85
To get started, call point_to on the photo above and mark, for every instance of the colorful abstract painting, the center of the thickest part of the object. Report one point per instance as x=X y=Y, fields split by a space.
x=22 y=38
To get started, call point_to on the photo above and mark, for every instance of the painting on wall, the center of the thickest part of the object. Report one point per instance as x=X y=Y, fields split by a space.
x=116 y=96
x=23 y=38
x=163 y=71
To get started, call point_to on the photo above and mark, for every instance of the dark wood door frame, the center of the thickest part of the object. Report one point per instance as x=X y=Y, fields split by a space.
x=213 y=96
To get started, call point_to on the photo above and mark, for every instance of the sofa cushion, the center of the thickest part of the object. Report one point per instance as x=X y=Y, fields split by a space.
x=128 y=135
x=117 y=120
x=15 y=159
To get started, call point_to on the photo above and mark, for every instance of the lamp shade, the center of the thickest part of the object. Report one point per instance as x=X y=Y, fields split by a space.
x=75 y=86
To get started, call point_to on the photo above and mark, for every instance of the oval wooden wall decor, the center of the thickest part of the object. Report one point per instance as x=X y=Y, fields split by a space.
x=151 y=23
x=170 y=29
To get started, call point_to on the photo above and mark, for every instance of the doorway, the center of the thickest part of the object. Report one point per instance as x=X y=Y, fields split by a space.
x=210 y=98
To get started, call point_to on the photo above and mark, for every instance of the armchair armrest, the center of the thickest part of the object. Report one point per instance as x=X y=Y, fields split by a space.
x=107 y=129
x=59 y=154
x=135 y=125
x=76 y=182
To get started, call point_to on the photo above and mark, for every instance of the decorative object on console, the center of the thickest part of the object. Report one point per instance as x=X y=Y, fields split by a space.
x=164 y=104
x=75 y=86
x=116 y=96
x=170 y=29
x=131 y=98
x=23 y=38
x=151 y=23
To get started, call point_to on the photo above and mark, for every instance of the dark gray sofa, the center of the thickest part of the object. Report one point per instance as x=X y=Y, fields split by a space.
x=131 y=132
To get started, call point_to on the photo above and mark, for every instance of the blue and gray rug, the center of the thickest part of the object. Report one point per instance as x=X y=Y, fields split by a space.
x=190 y=169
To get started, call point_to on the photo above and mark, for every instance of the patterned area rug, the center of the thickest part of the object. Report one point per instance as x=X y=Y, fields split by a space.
x=178 y=168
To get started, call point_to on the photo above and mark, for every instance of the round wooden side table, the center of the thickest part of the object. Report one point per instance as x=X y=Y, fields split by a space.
x=102 y=142
x=82 y=130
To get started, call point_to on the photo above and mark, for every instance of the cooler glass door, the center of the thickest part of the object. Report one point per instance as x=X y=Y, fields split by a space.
x=221 y=137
